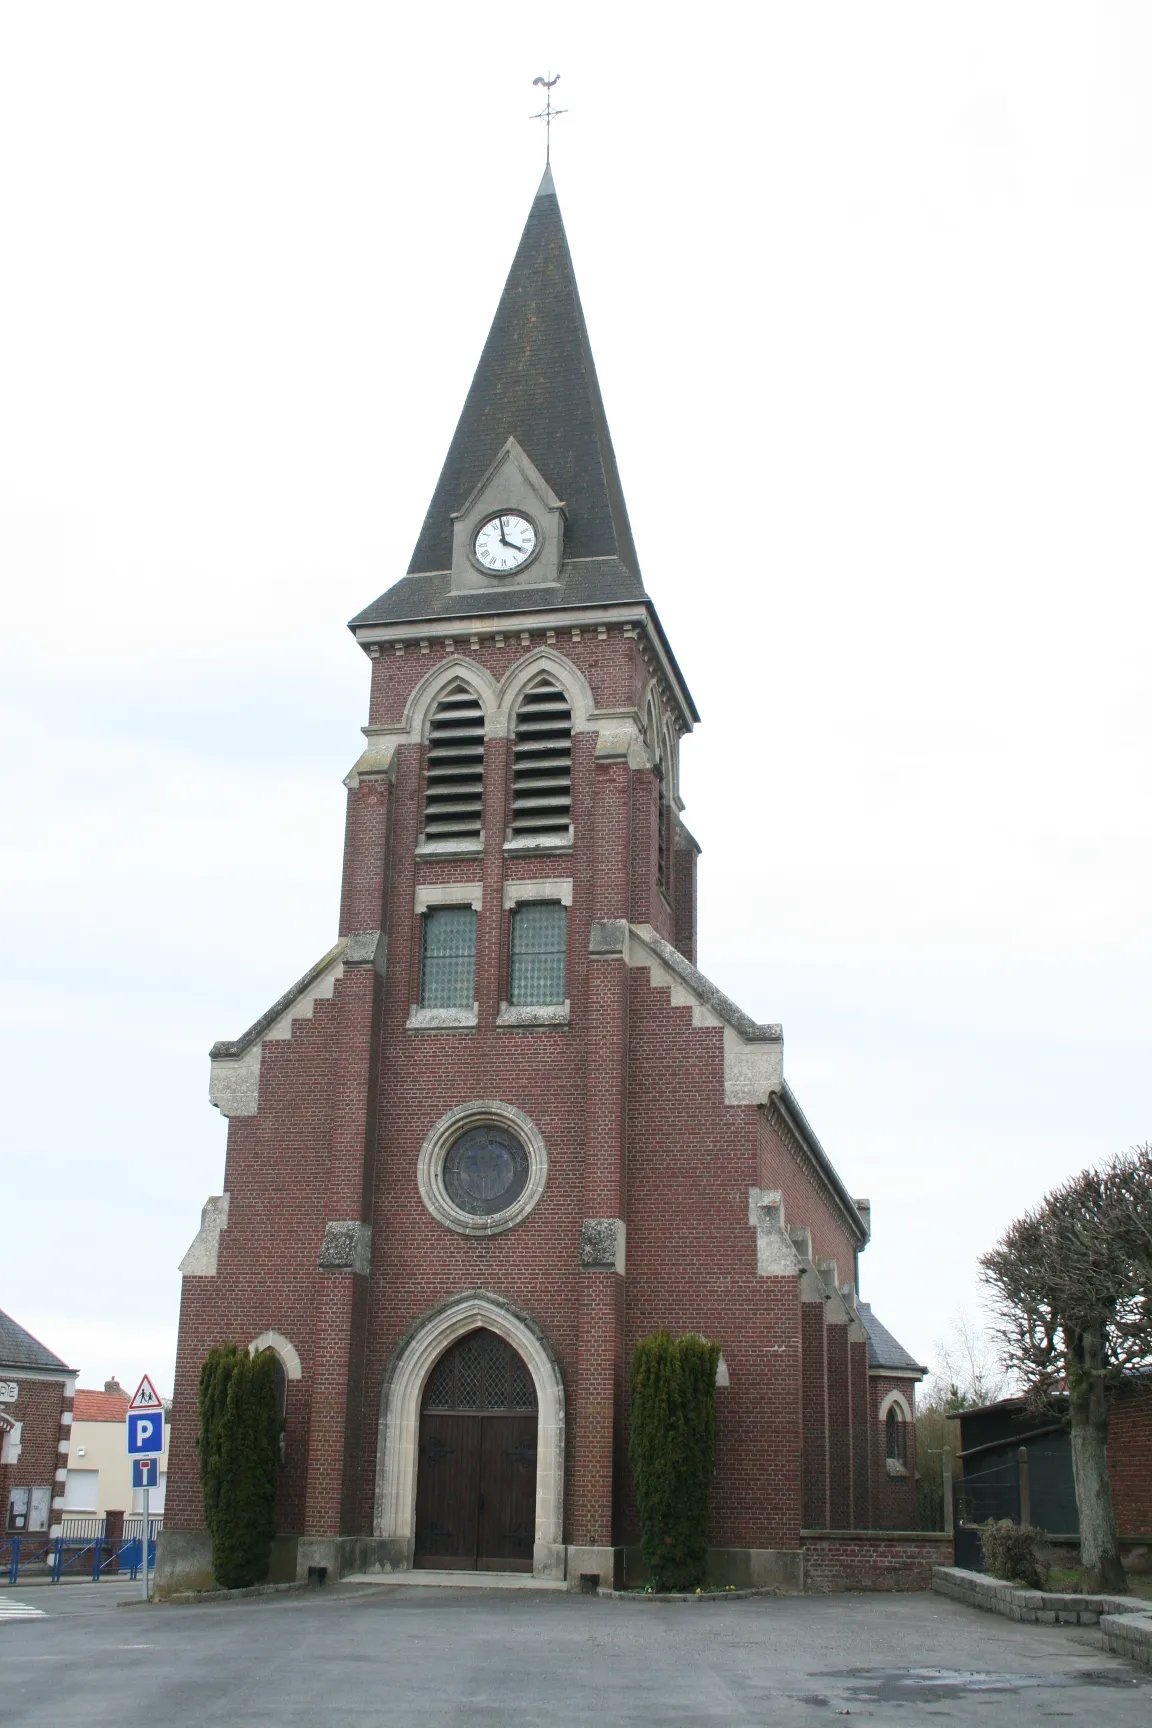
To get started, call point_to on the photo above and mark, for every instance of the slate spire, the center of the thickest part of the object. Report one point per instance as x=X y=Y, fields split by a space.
x=536 y=382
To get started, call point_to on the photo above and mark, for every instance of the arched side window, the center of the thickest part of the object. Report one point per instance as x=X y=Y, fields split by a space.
x=454 y=775
x=895 y=1436
x=542 y=762
x=281 y=1374
x=286 y=1366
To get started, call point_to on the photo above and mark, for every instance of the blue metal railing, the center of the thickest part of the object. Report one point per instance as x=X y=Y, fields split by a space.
x=97 y=1558
x=64 y=1556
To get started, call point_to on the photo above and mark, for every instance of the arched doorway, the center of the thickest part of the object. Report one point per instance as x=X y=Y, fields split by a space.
x=476 y=1477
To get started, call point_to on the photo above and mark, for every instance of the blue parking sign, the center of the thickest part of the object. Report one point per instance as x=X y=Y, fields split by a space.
x=145 y=1431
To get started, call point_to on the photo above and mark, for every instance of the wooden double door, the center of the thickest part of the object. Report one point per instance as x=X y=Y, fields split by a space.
x=476 y=1479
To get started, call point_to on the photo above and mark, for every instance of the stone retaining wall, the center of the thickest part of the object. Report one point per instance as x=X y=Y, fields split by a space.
x=1129 y=1635
x=1125 y=1622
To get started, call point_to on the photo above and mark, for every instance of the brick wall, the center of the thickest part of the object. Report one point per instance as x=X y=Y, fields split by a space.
x=692 y=1263
x=871 y=1560
x=44 y=1410
x=1130 y=1460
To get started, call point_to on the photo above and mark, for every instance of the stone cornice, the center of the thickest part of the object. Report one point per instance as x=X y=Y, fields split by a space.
x=640 y=615
x=790 y=1124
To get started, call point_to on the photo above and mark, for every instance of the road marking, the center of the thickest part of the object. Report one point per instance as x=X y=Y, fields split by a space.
x=20 y=1611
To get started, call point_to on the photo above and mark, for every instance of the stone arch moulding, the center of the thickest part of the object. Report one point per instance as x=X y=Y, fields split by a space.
x=650 y=708
x=672 y=768
x=286 y=1351
x=454 y=670
x=398 y=1443
x=545 y=662
x=897 y=1401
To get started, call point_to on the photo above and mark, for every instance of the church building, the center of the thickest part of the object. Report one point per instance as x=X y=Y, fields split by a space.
x=504 y=1128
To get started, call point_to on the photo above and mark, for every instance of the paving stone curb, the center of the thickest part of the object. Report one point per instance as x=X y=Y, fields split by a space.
x=676 y=1596
x=182 y=1598
x=1129 y=1635
x=1125 y=1622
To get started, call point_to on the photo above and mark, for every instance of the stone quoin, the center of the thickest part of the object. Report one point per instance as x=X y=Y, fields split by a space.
x=504 y=1127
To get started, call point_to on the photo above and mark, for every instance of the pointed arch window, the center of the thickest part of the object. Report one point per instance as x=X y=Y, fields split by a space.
x=454 y=776
x=542 y=762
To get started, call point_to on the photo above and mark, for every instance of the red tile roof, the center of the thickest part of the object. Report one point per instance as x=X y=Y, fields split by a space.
x=100 y=1406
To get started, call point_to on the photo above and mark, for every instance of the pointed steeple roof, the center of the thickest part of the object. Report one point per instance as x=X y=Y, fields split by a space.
x=536 y=385
x=536 y=382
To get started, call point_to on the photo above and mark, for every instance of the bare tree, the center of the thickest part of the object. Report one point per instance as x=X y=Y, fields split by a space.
x=967 y=1373
x=1071 y=1289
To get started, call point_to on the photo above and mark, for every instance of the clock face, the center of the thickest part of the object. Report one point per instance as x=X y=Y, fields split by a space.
x=505 y=542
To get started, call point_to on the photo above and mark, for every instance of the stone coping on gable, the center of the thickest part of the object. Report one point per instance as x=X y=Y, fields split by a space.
x=704 y=990
x=237 y=1046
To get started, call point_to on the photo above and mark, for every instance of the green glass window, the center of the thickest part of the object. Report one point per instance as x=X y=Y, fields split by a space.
x=448 y=975
x=539 y=946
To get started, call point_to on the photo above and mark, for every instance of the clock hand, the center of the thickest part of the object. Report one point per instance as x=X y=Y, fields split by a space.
x=503 y=541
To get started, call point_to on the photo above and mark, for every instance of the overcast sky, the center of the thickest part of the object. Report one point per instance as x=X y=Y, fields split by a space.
x=868 y=288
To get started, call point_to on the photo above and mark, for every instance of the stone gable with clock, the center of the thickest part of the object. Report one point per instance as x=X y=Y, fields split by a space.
x=504 y=1127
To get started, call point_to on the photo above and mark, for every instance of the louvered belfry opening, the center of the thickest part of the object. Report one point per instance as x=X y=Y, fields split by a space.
x=454 y=785
x=542 y=762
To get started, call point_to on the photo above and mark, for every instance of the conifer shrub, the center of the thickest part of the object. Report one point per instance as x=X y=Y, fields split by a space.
x=1011 y=1552
x=672 y=1446
x=239 y=1450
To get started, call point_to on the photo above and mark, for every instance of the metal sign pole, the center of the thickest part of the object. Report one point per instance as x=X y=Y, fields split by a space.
x=144 y=1539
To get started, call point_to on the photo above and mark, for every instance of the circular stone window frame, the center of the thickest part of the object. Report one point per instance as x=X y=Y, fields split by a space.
x=483 y=1112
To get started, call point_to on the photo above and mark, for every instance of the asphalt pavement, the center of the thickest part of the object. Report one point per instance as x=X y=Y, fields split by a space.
x=369 y=1654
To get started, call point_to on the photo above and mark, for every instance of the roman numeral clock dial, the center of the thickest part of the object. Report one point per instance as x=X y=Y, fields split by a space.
x=504 y=543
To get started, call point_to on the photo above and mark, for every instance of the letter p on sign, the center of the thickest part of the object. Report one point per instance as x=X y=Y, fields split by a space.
x=145 y=1432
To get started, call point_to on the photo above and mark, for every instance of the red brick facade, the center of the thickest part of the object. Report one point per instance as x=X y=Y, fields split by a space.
x=668 y=1131
x=838 y=1560
x=1130 y=1458
x=34 y=1430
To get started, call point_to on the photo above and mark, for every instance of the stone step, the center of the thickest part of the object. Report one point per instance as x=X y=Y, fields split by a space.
x=423 y=1578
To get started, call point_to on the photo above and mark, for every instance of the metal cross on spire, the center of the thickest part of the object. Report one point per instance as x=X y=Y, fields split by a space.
x=548 y=113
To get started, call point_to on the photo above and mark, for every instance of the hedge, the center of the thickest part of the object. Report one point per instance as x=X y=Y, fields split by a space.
x=672 y=1446
x=239 y=1449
